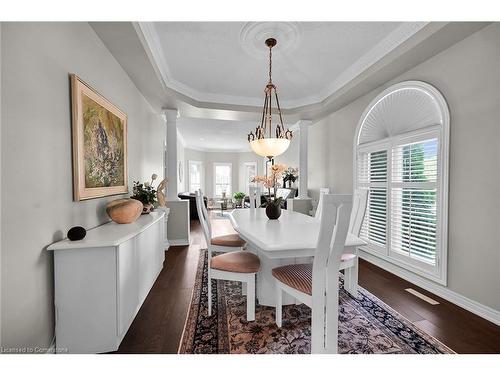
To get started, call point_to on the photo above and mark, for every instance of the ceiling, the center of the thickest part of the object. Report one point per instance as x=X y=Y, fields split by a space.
x=227 y=62
x=214 y=73
x=215 y=135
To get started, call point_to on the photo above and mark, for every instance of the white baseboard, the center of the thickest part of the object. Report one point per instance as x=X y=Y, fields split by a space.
x=466 y=303
x=179 y=242
x=166 y=245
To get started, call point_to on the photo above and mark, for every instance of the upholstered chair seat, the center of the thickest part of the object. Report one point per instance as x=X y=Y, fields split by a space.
x=347 y=257
x=236 y=261
x=299 y=276
x=229 y=240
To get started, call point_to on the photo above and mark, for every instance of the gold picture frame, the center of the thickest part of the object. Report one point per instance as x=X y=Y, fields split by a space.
x=99 y=135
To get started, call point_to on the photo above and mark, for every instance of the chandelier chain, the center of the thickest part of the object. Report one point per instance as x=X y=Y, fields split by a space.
x=270 y=63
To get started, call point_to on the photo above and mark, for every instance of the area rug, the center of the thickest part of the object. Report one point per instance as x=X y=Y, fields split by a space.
x=366 y=325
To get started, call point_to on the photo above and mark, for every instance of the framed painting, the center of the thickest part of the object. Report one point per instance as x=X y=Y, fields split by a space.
x=99 y=132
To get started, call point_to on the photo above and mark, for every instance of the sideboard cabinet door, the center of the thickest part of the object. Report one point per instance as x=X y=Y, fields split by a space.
x=128 y=285
x=85 y=300
x=147 y=255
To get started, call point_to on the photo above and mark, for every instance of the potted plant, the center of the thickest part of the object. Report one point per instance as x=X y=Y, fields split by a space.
x=273 y=207
x=238 y=198
x=146 y=194
x=291 y=175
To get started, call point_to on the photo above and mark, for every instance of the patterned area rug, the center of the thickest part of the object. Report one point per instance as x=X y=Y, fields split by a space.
x=366 y=325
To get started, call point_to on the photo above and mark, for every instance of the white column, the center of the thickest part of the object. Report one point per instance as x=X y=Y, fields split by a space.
x=171 y=155
x=303 y=134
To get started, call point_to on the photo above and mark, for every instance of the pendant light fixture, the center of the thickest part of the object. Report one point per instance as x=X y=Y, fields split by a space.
x=264 y=142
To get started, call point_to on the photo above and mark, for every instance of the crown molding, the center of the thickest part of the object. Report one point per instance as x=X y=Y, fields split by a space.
x=381 y=49
x=375 y=54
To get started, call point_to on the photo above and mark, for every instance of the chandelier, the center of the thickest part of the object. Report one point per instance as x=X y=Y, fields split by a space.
x=262 y=141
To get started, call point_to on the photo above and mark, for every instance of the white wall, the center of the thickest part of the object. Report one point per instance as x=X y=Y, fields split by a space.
x=291 y=156
x=330 y=147
x=36 y=187
x=468 y=75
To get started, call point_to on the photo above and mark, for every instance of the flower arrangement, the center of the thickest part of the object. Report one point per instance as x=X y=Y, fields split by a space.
x=291 y=175
x=272 y=182
x=145 y=193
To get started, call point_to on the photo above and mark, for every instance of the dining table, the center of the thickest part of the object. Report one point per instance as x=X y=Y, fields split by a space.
x=290 y=239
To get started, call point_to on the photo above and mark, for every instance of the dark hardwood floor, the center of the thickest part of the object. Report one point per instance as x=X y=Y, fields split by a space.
x=159 y=323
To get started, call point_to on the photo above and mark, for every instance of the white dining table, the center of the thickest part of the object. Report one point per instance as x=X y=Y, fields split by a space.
x=291 y=239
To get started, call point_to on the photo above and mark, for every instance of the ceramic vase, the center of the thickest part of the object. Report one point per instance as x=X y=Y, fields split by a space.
x=124 y=211
x=273 y=211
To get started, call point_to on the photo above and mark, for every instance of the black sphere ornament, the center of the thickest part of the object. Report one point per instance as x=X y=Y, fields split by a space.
x=76 y=233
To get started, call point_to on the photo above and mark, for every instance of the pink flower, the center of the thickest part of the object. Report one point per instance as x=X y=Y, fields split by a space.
x=273 y=180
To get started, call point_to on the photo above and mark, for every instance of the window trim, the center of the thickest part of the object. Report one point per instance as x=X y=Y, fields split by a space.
x=230 y=165
x=441 y=131
x=202 y=174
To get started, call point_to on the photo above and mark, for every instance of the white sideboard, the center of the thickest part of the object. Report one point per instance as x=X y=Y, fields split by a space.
x=102 y=280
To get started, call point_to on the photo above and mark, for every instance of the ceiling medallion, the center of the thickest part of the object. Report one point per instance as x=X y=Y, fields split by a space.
x=272 y=145
x=253 y=33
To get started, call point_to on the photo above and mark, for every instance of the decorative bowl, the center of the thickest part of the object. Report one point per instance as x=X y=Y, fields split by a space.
x=124 y=211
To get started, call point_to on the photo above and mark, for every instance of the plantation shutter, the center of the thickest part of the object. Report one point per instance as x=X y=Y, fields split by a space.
x=372 y=174
x=413 y=200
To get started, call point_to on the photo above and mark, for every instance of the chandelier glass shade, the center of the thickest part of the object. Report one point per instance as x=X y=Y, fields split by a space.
x=269 y=147
x=263 y=140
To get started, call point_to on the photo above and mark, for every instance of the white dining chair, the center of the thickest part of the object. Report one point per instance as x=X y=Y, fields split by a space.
x=317 y=284
x=254 y=192
x=350 y=262
x=221 y=244
x=237 y=265
x=322 y=191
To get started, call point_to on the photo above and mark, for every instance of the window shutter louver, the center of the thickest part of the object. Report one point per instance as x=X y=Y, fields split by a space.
x=372 y=173
x=413 y=200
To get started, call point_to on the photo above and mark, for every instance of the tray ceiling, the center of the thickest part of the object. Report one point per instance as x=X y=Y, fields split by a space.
x=226 y=62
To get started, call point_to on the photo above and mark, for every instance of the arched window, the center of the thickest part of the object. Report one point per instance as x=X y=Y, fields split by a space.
x=401 y=156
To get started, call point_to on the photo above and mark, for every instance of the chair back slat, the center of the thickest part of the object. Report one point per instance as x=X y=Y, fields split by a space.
x=322 y=192
x=359 y=202
x=336 y=209
x=334 y=224
x=204 y=211
x=204 y=220
x=254 y=193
